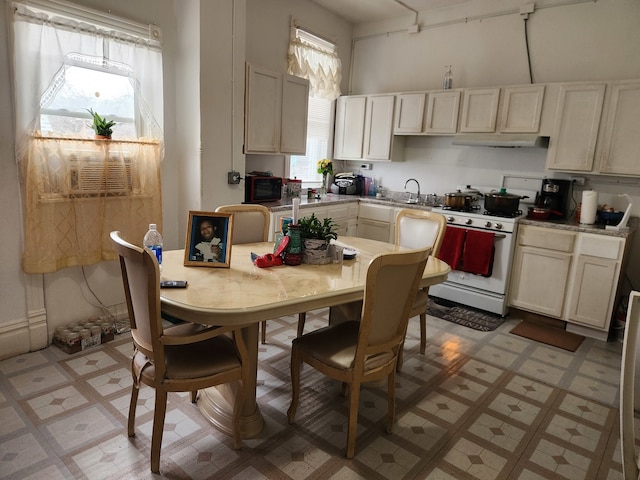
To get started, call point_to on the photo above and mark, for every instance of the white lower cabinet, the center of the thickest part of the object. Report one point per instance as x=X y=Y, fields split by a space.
x=345 y=215
x=540 y=272
x=572 y=276
x=595 y=280
x=376 y=222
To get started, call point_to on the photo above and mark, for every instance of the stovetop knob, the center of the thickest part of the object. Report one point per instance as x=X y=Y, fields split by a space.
x=498 y=226
x=450 y=219
x=468 y=221
x=487 y=225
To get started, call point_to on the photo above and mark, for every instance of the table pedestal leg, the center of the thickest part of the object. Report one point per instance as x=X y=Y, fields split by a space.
x=216 y=403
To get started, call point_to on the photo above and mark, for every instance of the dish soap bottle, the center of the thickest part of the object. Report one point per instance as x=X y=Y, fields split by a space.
x=447 y=83
x=153 y=241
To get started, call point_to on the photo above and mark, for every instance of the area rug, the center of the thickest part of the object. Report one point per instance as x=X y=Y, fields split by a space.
x=462 y=315
x=555 y=337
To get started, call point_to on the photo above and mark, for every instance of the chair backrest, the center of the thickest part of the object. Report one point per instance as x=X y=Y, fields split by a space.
x=250 y=222
x=420 y=228
x=627 y=389
x=141 y=279
x=393 y=280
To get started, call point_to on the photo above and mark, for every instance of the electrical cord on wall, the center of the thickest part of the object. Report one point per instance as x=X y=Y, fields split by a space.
x=526 y=42
x=120 y=325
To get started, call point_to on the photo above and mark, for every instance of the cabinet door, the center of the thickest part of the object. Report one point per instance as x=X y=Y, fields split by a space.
x=573 y=141
x=539 y=280
x=443 y=109
x=295 y=104
x=593 y=291
x=622 y=135
x=349 y=129
x=262 y=110
x=409 y=113
x=521 y=109
x=378 y=127
x=374 y=230
x=479 y=110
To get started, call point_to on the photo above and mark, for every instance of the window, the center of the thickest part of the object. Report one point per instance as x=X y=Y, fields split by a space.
x=89 y=83
x=314 y=58
x=68 y=59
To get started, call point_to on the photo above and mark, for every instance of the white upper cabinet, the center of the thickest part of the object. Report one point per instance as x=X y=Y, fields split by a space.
x=275 y=112
x=349 y=129
x=295 y=105
x=443 y=108
x=572 y=143
x=479 y=110
x=409 y=113
x=621 y=142
x=378 y=127
x=364 y=129
x=521 y=109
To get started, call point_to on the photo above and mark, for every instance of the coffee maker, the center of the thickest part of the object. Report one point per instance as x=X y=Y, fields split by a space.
x=554 y=196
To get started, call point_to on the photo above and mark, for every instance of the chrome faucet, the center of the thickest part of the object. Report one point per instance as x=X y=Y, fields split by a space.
x=411 y=199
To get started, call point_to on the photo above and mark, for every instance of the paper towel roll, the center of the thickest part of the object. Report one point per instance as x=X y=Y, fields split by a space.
x=589 y=207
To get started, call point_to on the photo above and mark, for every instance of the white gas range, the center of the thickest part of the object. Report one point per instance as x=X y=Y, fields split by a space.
x=485 y=292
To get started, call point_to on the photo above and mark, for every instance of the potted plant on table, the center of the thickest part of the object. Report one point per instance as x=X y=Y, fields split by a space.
x=102 y=126
x=316 y=235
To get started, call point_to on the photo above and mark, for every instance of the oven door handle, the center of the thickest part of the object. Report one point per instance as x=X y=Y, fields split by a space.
x=500 y=235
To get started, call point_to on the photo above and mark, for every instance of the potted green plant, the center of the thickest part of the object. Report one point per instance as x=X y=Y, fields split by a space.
x=316 y=235
x=102 y=126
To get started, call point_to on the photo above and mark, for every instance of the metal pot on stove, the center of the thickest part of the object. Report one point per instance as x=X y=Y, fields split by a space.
x=458 y=200
x=501 y=202
x=464 y=199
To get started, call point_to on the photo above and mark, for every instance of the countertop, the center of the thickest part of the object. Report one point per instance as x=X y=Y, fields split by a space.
x=569 y=224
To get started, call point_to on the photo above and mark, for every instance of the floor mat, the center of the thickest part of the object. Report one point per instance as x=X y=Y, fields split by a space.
x=555 y=337
x=462 y=315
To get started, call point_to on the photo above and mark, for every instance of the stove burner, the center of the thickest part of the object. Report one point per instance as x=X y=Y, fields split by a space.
x=474 y=208
x=517 y=213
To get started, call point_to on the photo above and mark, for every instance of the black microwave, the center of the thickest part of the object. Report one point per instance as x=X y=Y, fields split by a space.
x=258 y=189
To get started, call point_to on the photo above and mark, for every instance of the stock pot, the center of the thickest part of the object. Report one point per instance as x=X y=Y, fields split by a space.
x=458 y=200
x=502 y=202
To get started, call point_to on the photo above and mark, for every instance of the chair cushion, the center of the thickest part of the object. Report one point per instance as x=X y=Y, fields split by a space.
x=421 y=301
x=194 y=360
x=335 y=346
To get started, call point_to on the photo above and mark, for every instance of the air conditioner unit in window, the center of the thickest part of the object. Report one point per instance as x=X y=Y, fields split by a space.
x=92 y=178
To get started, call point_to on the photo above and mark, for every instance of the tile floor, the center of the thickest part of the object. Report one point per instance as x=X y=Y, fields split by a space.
x=476 y=406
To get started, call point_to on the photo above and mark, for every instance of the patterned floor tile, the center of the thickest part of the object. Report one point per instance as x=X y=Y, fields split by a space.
x=476 y=405
x=38 y=380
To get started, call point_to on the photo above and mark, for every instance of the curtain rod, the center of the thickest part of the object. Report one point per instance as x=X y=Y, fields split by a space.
x=96 y=17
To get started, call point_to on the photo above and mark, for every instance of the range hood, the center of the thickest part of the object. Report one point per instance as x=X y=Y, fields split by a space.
x=498 y=140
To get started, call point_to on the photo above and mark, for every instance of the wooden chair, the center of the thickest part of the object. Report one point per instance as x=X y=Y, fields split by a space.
x=630 y=452
x=355 y=352
x=413 y=229
x=419 y=229
x=250 y=225
x=183 y=358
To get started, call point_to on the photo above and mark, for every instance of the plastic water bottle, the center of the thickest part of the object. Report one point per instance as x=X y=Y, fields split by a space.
x=153 y=241
x=447 y=83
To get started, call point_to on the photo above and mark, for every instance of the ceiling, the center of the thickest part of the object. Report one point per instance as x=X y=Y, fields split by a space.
x=363 y=11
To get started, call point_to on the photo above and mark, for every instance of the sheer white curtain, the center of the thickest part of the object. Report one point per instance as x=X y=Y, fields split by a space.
x=76 y=190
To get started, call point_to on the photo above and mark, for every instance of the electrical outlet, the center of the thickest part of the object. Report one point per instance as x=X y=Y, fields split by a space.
x=233 y=178
x=577 y=180
x=365 y=166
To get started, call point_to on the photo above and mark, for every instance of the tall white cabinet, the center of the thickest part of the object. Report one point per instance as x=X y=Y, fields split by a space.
x=275 y=112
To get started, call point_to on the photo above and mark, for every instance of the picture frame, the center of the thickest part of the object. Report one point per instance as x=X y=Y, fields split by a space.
x=208 y=242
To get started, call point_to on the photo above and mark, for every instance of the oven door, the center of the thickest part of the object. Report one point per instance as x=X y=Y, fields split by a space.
x=498 y=281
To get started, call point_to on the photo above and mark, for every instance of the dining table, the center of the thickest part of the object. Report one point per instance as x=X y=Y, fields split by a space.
x=243 y=295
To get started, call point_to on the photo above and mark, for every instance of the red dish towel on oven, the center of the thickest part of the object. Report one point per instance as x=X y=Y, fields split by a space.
x=451 y=248
x=478 y=252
